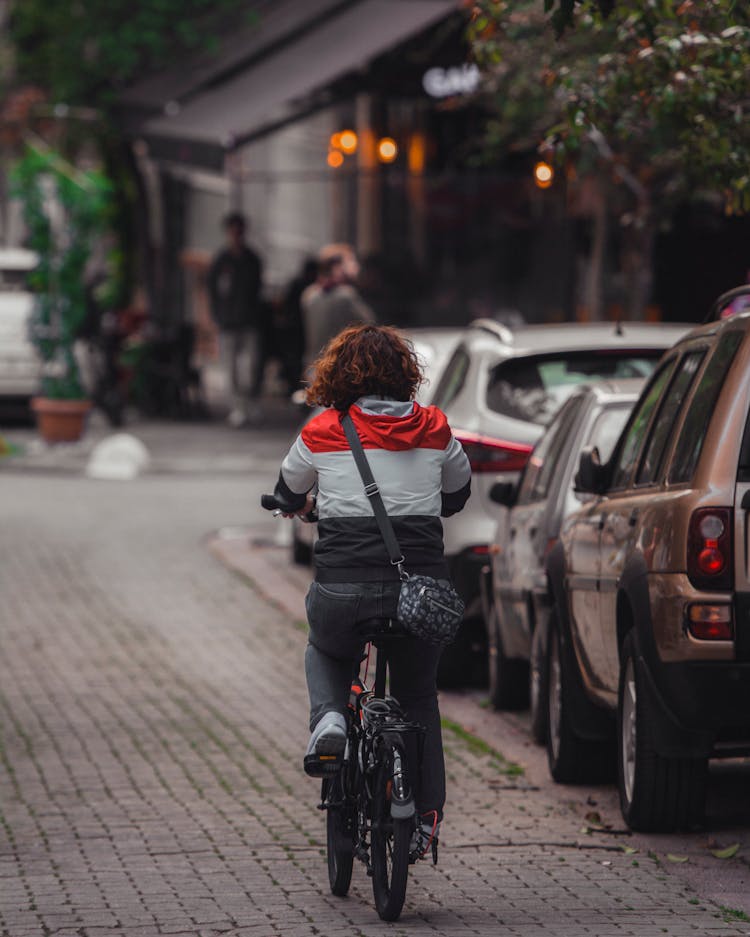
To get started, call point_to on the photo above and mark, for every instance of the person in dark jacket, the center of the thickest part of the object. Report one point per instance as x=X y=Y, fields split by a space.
x=234 y=284
x=423 y=473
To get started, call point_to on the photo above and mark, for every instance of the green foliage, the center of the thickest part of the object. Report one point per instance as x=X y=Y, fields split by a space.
x=84 y=51
x=82 y=54
x=47 y=185
x=659 y=90
x=523 y=64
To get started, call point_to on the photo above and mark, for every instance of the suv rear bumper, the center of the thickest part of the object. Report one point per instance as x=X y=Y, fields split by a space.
x=742 y=626
x=699 y=709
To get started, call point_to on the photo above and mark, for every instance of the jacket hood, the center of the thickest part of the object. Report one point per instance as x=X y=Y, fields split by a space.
x=396 y=424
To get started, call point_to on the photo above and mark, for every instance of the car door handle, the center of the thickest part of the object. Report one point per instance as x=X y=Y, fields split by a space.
x=633 y=519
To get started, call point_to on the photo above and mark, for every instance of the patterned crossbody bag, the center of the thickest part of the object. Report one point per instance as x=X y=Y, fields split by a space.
x=428 y=608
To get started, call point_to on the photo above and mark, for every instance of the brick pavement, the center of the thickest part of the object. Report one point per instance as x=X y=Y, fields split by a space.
x=153 y=714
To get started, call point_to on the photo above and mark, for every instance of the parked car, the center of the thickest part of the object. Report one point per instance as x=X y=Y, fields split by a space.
x=499 y=390
x=516 y=597
x=19 y=364
x=649 y=640
x=433 y=347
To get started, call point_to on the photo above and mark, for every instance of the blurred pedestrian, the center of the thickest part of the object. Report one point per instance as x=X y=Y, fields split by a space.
x=234 y=282
x=333 y=302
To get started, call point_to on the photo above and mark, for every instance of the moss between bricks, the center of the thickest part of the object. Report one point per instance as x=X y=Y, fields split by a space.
x=480 y=747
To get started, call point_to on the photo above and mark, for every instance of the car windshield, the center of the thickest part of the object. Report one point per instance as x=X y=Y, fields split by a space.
x=533 y=387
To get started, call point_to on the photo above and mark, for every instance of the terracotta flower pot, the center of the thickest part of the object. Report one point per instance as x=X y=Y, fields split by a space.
x=60 y=420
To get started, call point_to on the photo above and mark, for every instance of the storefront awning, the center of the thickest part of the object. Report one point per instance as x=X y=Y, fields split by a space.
x=276 y=87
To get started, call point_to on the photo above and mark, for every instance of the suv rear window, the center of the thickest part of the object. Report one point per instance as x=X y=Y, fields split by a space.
x=533 y=387
x=662 y=430
x=698 y=416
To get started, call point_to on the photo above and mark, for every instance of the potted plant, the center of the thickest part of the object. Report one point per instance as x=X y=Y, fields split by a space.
x=66 y=210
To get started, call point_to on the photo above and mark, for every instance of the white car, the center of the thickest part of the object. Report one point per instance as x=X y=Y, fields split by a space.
x=499 y=389
x=19 y=363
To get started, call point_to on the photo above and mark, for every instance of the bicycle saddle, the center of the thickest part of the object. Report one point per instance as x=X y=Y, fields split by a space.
x=373 y=628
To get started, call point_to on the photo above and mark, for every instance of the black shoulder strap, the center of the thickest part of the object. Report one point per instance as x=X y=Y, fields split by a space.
x=373 y=493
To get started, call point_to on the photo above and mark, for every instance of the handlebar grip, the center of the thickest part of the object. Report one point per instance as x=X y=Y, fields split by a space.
x=272 y=503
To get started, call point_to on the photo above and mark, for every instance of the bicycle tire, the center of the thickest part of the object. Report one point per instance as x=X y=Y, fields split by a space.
x=339 y=838
x=390 y=839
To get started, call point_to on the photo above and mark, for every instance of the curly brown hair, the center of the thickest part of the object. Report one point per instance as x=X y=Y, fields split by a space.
x=364 y=360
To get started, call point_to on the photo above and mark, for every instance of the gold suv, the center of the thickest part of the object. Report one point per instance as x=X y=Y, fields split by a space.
x=650 y=638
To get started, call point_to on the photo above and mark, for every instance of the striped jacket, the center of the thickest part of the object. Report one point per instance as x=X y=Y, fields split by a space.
x=421 y=470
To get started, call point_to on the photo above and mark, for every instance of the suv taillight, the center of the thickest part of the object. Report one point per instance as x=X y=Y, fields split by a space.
x=493 y=455
x=709 y=552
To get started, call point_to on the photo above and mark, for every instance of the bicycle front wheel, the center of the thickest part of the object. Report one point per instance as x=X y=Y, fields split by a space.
x=391 y=836
x=339 y=837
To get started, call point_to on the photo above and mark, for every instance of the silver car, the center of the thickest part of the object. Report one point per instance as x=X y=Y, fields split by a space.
x=515 y=592
x=499 y=390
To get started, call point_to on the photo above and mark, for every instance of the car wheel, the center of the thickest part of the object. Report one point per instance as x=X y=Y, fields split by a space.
x=508 y=679
x=571 y=758
x=538 y=690
x=657 y=794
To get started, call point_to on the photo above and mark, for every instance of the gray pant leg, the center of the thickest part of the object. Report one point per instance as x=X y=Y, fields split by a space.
x=334 y=647
x=328 y=683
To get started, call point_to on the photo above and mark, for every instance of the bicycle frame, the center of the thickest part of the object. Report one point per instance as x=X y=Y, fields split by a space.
x=380 y=739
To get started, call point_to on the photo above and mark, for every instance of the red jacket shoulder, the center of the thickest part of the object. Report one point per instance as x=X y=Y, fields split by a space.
x=324 y=433
x=438 y=430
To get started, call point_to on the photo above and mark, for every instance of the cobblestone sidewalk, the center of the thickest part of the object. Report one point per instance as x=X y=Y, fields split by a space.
x=153 y=714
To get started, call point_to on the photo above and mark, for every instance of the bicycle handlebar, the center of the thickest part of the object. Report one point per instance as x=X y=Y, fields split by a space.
x=272 y=503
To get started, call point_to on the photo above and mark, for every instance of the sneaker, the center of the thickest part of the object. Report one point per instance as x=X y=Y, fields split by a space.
x=424 y=839
x=325 y=750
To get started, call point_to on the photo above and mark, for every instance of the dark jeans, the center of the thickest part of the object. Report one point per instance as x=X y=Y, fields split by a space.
x=335 y=647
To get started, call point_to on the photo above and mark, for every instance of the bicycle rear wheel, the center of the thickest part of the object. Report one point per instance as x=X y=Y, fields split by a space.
x=339 y=837
x=391 y=835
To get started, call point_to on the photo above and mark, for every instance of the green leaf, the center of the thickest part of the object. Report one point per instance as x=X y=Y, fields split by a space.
x=726 y=853
x=678 y=859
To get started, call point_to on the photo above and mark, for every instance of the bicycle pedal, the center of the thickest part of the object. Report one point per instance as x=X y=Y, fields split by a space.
x=322 y=766
x=416 y=855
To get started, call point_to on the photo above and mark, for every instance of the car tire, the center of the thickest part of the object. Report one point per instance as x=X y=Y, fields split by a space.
x=508 y=678
x=571 y=758
x=657 y=794
x=539 y=690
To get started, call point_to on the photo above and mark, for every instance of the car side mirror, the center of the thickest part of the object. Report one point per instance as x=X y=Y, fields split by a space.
x=503 y=493
x=591 y=475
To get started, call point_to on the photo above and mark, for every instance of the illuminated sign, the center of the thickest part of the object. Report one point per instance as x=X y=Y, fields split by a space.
x=446 y=82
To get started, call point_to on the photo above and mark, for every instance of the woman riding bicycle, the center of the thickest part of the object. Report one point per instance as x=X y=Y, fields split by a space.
x=422 y=472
